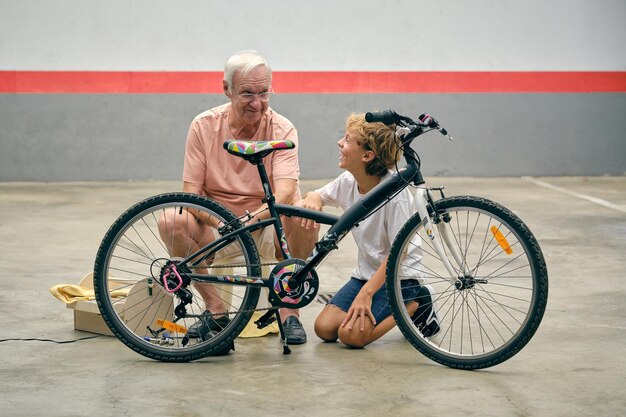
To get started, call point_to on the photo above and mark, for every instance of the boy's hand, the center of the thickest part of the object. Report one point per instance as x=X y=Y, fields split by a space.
x=360 y=309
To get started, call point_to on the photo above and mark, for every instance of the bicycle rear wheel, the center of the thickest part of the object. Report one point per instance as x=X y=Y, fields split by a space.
x=502 y=299
x=130 y=294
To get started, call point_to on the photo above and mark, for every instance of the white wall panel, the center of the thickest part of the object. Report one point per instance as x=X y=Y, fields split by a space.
x=364 y=35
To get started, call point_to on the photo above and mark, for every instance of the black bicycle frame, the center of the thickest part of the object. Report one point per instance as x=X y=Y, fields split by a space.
x=340 y=226
x=374 y=199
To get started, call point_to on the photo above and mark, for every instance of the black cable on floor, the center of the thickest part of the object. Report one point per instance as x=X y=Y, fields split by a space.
x=34 y=339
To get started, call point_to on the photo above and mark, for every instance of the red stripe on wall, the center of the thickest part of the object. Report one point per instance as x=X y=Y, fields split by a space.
x=134 y=82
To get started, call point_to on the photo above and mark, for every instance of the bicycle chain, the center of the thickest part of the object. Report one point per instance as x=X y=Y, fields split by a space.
x=240 y=265
x=248 y=311
x=235 y=265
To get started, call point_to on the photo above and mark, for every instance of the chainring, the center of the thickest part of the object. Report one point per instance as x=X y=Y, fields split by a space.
x=284 y=296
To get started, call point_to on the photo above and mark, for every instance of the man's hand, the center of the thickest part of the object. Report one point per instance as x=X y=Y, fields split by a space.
x=201 y=217
x=311 y=201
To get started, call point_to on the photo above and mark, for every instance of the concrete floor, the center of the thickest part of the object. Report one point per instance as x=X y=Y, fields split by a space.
x=574 y=366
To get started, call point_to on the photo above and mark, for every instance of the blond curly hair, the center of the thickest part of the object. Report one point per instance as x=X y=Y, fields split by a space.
x=378 y=138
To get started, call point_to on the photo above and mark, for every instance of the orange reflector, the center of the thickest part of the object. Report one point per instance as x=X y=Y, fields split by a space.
x=172 y=327
x=501 y=240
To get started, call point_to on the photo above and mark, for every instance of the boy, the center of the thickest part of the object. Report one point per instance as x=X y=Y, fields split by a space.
x=359 y=313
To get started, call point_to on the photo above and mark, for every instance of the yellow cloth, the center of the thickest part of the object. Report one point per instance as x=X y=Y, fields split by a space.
x=69 y=293
x=252 y=331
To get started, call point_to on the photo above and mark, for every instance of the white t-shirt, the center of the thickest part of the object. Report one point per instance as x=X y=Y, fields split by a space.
x=375 y=234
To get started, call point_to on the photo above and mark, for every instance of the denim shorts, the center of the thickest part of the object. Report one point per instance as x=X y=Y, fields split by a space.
x=380 y=305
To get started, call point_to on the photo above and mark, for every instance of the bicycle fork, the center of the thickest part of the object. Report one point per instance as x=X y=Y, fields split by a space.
x=438 y=231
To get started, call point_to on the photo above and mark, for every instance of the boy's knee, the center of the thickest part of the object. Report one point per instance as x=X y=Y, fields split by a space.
x=354 y=338
x=354 y=343
x=325 y=332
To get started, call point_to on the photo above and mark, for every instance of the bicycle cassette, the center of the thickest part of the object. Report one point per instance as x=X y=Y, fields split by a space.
x=284 y=296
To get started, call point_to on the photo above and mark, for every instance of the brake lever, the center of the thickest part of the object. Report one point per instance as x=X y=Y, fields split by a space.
x=401 y=131
x=443 y=131
x=428 y=120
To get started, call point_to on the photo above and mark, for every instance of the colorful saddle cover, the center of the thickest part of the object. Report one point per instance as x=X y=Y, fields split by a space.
x=242 y=147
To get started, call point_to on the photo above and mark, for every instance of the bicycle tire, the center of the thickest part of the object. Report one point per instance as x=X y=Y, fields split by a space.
x=131 y=255
x=489 y=321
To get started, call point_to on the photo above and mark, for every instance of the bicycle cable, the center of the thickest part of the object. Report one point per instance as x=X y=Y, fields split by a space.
x=36 y=339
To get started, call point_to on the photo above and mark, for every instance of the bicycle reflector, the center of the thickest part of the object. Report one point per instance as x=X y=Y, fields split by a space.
x=171 y=326
x=501 y=240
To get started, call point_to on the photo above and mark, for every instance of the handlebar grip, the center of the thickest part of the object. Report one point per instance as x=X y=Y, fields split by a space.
x=387 y=117
x=427 y=120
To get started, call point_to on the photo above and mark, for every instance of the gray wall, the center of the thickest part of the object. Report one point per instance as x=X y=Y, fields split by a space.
x=366 y=35
x=119 y=137
x=126 y=136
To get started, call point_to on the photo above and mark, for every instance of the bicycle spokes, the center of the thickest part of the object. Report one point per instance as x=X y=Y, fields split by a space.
x=498 y=298
x=149 y=252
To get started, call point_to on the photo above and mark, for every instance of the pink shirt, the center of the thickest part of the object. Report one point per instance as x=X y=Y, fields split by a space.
x=228 y=179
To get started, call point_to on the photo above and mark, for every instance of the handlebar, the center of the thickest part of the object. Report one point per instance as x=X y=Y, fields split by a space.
x=390 y=117
x=387 y=117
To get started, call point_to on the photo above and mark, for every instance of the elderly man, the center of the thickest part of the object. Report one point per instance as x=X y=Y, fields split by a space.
x=233 y=182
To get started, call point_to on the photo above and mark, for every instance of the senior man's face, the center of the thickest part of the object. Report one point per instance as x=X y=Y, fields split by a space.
x=250 y=111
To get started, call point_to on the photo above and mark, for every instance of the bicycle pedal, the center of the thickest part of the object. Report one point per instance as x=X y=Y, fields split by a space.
x=266 y=319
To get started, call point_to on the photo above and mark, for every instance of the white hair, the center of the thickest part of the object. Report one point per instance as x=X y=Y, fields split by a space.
x=243 y=62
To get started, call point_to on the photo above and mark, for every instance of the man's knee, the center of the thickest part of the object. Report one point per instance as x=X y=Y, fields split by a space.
x=298 y=234
x=166 y=223
x=172 y=222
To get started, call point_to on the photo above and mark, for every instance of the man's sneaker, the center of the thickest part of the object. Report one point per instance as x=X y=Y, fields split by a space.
x=207 y=327
x=425 y=317
x=294 y=332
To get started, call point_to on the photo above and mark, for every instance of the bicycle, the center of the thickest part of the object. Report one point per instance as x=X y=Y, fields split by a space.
x=484 y=268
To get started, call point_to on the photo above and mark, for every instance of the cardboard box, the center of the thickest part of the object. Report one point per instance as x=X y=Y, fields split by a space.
x=87 y=318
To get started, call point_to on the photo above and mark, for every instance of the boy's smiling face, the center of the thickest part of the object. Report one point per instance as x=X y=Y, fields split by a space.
x=352 y=155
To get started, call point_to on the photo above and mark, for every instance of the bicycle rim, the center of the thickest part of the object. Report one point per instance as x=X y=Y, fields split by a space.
x=503 y=296
x=134 y=303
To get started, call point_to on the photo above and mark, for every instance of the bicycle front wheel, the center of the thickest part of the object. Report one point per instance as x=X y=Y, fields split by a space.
x=494 y=308
x=131 y=296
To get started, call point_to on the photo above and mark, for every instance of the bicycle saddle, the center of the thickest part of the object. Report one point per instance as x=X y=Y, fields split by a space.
x=262 y=148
